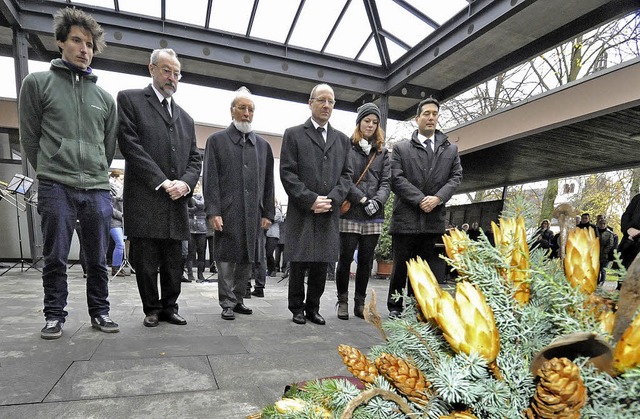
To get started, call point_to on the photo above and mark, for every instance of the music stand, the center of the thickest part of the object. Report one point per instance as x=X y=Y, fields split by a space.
x=20 y=185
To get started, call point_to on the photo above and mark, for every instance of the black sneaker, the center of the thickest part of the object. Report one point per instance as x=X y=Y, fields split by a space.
x=104 y=323
x=52 y=330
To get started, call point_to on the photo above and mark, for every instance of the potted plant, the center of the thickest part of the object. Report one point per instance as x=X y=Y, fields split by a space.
x=384 y=250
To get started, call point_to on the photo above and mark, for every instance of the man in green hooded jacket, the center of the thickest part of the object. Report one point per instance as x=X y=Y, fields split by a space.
x=68 y=133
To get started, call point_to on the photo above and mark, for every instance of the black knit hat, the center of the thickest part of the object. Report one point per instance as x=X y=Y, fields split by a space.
x=367 y=109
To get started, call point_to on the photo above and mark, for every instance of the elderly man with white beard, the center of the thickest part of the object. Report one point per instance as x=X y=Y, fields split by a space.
x=239 y=201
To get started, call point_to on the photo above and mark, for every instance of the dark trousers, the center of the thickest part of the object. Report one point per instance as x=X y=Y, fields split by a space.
x=315 y=286
x=348 y=244
x=59 y=207
x=148 y=256
x=197 y=247
x=210 y=249
x=405 y=248
x=279 y=259
x=272 y=243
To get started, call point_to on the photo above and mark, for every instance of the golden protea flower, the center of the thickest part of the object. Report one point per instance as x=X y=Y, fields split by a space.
x=582 y=260
x=627 y=353
x=602 y=309
x=425 y=287
x=358 y=364
x=408 y=379
x=455 y=243
x=296 y=405
x=511 y=241
x=468 y=323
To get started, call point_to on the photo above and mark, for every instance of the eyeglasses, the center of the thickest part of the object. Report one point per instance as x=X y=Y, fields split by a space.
x=168 y=72
x=244 y=108
x=322 y=101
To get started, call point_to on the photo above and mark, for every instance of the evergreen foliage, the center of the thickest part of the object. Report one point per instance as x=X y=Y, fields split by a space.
x=459 y=381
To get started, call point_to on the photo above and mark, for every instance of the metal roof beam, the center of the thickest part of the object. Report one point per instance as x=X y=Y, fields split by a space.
x=417 y=13
x=376 y=26
x=207 y=45
x=336 y=24
x=8 y=10
x=457 y=32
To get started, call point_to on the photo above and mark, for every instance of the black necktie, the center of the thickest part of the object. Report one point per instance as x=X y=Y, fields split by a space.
x=165 y=105
x=320 y=131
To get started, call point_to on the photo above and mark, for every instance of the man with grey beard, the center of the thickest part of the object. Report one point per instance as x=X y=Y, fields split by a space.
x=239 y=201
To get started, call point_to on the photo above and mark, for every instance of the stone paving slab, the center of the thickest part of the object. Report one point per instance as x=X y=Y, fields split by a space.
x=133 y=377
x=209 y=368
x=29 y=382
x=177 y=346
x=218 y=404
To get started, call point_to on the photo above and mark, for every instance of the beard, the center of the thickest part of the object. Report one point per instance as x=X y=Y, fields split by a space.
x=243 y=127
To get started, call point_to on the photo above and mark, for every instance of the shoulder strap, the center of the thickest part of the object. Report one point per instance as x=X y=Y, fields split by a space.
x=366 y=168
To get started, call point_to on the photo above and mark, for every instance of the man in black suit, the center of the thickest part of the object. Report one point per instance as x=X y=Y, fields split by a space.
x=239 y=201
x=315 y=173
x=158 y=141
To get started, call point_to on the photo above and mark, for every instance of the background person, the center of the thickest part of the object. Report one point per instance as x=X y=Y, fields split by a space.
x=198 y=230
x=116 y=231
x=361 y=226
x=71 y=145
x=158 y=141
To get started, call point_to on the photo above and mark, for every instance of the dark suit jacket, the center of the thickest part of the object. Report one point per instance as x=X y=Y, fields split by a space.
x=309 y=168
x=238 y=185
x=155 y=148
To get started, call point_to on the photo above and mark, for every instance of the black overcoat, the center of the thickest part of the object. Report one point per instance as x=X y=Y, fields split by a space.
x=310 y=168
x=156 y=148
x=238 y=185
x=416 y=173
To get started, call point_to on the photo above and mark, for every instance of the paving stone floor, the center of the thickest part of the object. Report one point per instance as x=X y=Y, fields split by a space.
x=210 y=368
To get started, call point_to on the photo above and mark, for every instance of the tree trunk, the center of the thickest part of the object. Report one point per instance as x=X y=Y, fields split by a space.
x=549 y=199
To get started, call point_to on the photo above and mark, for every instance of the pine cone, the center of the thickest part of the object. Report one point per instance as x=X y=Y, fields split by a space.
x=406 y=378
x=560 y=393
x=358 y=364
x=460 y=415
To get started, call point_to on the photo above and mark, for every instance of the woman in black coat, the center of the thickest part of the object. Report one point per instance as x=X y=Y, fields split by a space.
x=361 y=226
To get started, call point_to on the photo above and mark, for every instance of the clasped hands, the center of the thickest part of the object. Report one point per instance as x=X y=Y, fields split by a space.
x=321 y=204
x=175 y=188
x=429 y=202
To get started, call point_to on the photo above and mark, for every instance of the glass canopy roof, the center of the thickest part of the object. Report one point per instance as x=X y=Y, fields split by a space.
x=377 y=32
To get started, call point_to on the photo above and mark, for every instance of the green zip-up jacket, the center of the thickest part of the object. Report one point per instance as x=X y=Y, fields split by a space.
x=68 y=127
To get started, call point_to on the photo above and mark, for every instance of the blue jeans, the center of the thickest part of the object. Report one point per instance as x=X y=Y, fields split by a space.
x=59 y=207
x=118 y=251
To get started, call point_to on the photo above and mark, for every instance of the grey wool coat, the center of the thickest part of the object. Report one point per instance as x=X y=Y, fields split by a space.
x=309 y=168
x=416 y=173
x=238 y=185
x=155 y=148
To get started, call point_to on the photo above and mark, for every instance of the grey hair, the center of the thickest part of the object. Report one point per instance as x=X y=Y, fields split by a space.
x=242 y=92
x=155 y=55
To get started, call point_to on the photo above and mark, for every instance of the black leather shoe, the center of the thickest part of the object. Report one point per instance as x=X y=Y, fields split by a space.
x=315 y=318
x=227 y=314
x=242 y=309
x=151 y=320
x=394 y=314
x=258 y=292
x=174 y=318
x=298 y=318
